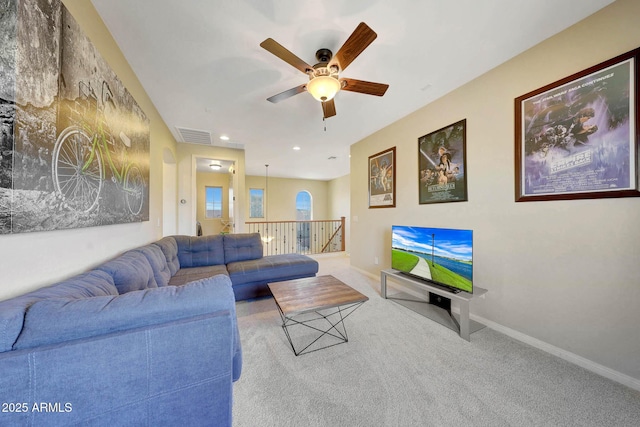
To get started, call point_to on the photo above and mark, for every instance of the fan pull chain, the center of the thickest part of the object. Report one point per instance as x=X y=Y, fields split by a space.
x=324 y=122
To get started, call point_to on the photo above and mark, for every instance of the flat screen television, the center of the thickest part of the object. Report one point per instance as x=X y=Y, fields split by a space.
x=438 y=255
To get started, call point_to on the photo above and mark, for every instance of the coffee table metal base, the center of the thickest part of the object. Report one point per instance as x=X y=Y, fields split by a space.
x=334 y=318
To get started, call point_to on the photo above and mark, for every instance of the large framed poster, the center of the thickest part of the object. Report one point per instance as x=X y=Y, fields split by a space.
x=382 y=179
x=577 y=138
x=442 y=164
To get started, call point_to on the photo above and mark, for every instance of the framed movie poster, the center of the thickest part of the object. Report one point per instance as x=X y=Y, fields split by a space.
x=442 y=164
x=382 y=179
x=577 y=138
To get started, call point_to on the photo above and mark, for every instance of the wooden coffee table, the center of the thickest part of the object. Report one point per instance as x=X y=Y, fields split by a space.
x=321 y=299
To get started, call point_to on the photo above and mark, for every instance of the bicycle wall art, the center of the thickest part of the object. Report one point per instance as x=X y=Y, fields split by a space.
x=74 y=144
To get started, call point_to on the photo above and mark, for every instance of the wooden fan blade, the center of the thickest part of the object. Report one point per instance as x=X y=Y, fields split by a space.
x=283 y=53
x=287 y=94
x=329 y=108
x=360 y=86
x=358 y=41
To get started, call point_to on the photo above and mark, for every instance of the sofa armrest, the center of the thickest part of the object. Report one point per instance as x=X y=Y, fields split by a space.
x=63 y=319
x=173 y=373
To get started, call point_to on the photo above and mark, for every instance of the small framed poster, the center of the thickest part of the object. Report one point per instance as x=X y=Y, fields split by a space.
x=382 y=179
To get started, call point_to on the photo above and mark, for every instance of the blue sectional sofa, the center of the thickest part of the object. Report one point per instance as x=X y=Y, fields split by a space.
x=147 y=338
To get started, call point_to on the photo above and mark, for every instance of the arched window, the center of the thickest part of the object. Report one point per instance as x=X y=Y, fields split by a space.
x=304 y=206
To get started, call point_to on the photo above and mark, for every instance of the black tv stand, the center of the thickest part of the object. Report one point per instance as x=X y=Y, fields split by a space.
x=432 y=307
x=440 y=301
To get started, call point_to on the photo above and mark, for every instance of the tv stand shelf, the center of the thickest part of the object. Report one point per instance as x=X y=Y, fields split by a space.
x=464 y=326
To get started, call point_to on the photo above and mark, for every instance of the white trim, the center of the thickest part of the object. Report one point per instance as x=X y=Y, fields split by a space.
x=587 y=364
x=366 y=273
x=340 y=254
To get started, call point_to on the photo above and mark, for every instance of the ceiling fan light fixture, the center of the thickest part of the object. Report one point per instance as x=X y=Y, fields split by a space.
x=323 y=82
x=323 y=88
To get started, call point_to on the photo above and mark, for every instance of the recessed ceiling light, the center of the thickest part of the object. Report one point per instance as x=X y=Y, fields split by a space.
x=224 y=137
x=296 y=148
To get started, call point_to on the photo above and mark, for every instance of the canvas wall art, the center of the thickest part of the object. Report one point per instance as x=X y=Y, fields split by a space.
x=74 y=142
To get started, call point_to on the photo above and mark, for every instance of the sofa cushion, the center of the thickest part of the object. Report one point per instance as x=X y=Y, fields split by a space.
x=65 y=319
x=186 y=275
x=272 y=268
x=130 y=271
x=158 y=262
x=242 y=247
x=89 y=284
x=200 y=251
x=169 y=248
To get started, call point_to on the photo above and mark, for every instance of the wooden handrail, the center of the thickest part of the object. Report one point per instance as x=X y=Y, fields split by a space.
x=338 y=230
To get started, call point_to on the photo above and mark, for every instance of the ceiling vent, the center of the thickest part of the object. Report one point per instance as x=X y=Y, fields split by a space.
x=195 y=136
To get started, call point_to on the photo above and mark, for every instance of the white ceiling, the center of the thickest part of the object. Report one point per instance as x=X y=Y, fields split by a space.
x=201 y=64
x=204 y=165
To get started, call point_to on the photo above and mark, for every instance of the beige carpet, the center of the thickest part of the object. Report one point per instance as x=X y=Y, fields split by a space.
x=401 y=369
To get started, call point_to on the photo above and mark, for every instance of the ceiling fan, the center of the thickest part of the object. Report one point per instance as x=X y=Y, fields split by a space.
x=324 y=81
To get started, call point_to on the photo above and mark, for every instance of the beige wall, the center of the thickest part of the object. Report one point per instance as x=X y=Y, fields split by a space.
x=563 y=275
x=340 y=204
x=32 y=260
x=209 y=179
x=281 y=197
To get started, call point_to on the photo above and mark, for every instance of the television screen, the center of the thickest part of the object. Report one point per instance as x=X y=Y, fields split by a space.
x=439 y=255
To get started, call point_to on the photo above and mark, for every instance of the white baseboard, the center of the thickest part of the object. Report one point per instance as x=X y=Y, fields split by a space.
x=563 y=354
x=330 y=255
x=546 y=347
x=366 y=273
